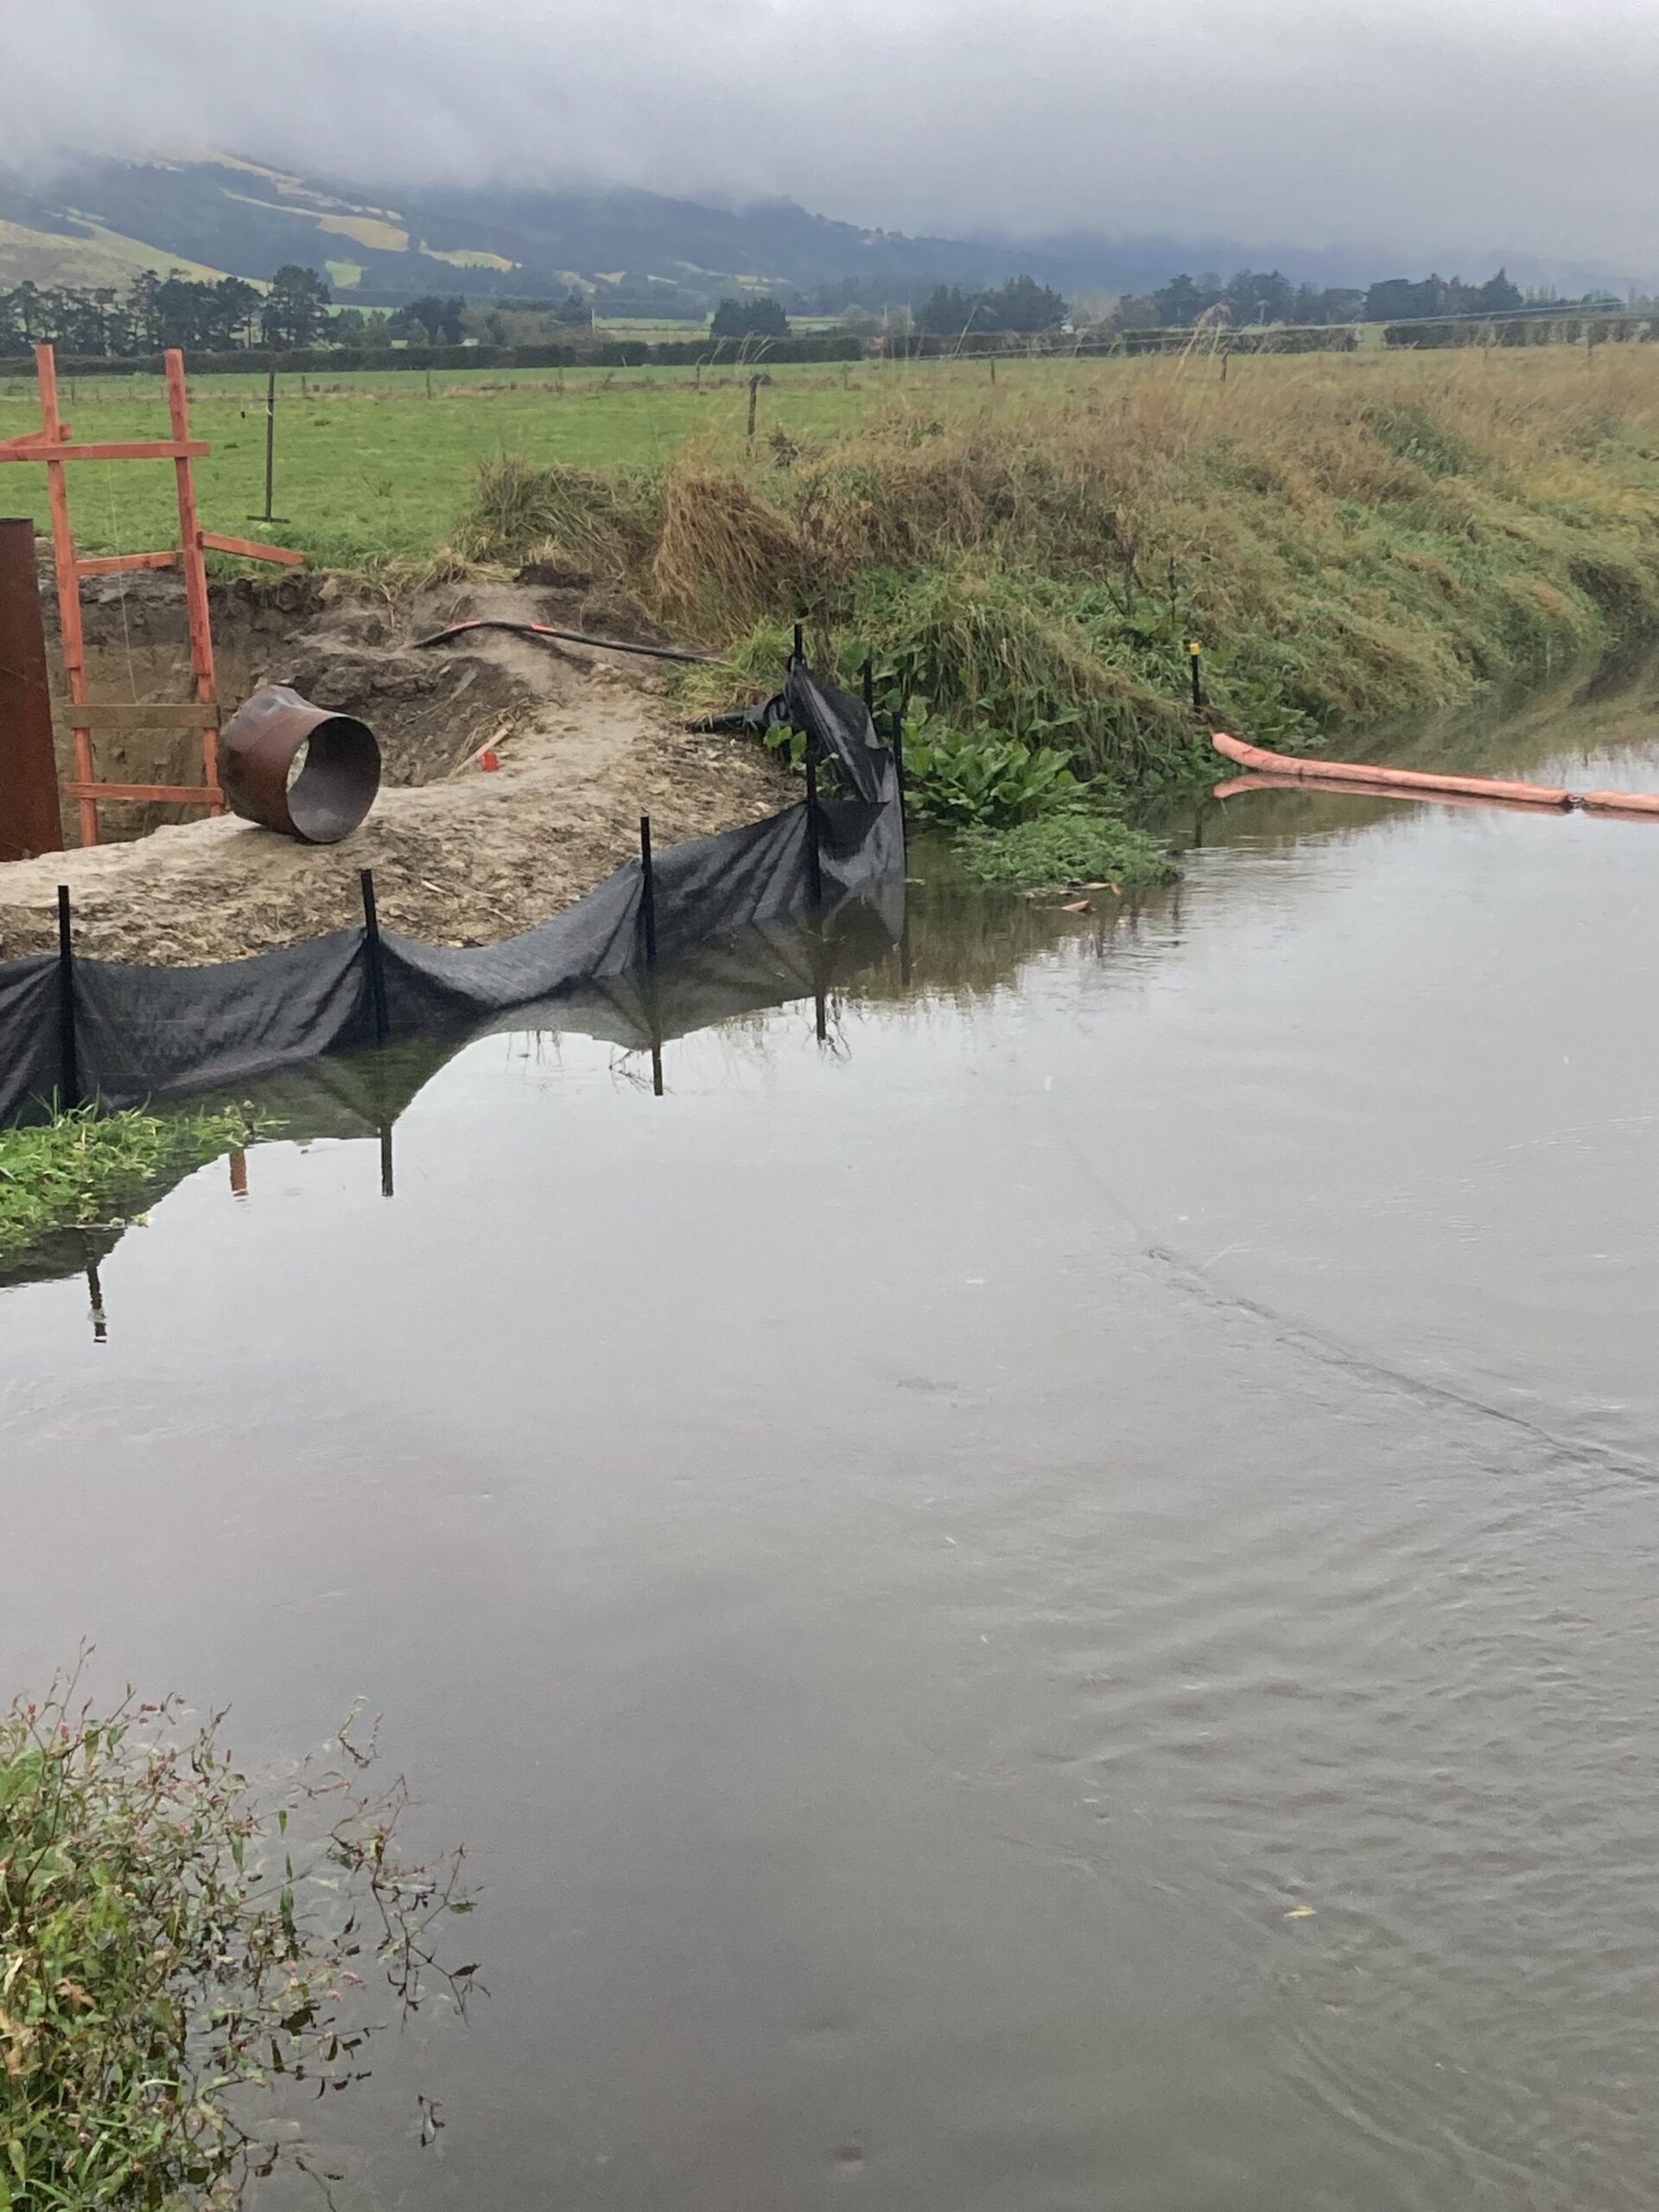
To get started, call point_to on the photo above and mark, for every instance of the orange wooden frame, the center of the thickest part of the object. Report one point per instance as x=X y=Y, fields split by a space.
x=53 y=444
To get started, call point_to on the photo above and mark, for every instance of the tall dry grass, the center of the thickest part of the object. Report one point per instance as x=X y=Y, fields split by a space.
x=1352 y=537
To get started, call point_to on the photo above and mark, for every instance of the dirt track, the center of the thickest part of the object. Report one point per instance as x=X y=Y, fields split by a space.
x=462 y=855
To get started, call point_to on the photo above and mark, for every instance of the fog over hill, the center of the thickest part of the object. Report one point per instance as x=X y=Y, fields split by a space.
x=1099 y=145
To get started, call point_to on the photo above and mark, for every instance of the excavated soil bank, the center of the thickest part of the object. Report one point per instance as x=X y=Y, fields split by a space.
x=461 y=855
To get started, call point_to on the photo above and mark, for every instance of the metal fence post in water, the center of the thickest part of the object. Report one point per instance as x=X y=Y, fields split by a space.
x=68 y=1055
x=898 y=741
x=375 y=955
x=648 y=892
x=898 y=735
x=814 y=857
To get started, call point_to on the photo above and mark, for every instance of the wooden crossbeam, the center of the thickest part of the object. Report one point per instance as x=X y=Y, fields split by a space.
x=250 y=549
x=140 y=713
x=154 y=794
x=162 y=449
x=110 y=565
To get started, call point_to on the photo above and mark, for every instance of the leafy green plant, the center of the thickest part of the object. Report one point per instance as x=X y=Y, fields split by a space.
x=86 y=1169
x=1072 y=845
x=170 y=1943
x=971 y=779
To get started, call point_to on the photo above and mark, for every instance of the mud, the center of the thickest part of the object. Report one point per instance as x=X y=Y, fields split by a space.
x=462 y=855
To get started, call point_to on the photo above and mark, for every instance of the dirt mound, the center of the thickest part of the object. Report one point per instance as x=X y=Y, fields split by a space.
x=462 y=855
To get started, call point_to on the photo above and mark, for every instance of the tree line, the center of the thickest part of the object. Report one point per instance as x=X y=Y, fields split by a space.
x=296 y=311
x=1257 y=297
x=156 y=312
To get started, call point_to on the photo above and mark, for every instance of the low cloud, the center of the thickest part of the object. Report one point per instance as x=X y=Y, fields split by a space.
x=1429 y=132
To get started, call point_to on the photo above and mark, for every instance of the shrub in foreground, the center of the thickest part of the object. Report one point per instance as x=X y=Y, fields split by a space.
x=169 y=1943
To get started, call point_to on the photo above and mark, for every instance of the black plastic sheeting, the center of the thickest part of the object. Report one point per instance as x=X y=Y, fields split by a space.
x=142 y=1032
x=361 y=1095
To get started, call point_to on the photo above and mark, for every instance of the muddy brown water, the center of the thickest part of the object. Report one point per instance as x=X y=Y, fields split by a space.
x=1050 y=1604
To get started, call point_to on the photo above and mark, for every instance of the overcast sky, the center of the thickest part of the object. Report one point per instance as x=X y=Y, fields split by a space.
x=1441 y=128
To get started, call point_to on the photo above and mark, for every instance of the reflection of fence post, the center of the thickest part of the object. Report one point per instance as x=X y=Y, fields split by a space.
x=68 y=1057
x=376 y=957
x=647 y=893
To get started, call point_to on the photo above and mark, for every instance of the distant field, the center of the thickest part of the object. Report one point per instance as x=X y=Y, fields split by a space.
x=368 y=467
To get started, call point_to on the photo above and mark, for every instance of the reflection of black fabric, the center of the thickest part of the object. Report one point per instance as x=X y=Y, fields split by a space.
x=141 y=1031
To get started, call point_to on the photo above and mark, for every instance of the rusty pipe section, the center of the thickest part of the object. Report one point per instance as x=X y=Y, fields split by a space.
x=298 y=768
x=29 y=821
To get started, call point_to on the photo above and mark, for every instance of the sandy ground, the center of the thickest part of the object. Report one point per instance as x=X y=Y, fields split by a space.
x=586 y=741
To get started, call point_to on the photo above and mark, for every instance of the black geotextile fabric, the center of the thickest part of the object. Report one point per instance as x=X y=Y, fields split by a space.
x=140 y=1032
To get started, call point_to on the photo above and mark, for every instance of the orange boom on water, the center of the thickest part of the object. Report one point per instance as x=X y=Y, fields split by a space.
x=1414 y=782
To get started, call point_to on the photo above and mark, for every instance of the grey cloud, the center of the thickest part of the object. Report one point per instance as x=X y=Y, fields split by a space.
x=1433 y=130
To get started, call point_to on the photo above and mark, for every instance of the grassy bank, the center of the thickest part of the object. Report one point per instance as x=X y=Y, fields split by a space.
x=1355 y=538
x=83 y=1169
x=1352 y=541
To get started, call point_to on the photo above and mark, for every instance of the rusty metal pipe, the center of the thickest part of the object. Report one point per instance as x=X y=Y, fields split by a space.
x=29 y=820
x=338 y=773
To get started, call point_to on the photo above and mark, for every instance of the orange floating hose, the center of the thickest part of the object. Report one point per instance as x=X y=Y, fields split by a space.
x=1352 y=773
x=1636 y=806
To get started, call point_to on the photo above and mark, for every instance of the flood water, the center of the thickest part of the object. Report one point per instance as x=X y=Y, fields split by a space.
x=1050 y=1604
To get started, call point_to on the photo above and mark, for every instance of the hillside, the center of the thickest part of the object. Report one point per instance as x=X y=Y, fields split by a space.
x=216 y=213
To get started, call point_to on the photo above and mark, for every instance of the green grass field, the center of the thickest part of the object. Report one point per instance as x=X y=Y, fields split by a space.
x=370 y=469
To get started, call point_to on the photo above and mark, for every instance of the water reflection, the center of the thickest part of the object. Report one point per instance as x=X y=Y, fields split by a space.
x=1046 y=1602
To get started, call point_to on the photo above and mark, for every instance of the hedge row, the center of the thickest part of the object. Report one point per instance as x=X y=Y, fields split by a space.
x=333 y=360
x=1542 y=330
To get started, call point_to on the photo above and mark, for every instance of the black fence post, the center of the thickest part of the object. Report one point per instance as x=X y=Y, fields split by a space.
x=648 y=931
x=1196 y=657
x=68 y=1056
x=376 y=956
x=867 y=675
x=814 y=856
x=898 y=731
x=648 y=892
x=897 y=728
